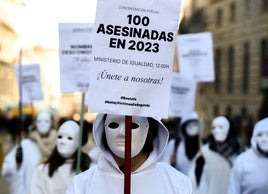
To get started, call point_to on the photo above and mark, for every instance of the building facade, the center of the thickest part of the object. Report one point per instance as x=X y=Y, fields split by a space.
x=8 y=54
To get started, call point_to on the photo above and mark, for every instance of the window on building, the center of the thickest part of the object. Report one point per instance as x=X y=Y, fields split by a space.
x=264 y=58
x=5 y=87
x=229 y=111
x=264 y=6
x=232 y=12
x=247 y=8
x=218 y=58
x=1 y=85
x=246 y=65
x=219 y=16
x=216 y=110
x=230 y=71
x=243 y=112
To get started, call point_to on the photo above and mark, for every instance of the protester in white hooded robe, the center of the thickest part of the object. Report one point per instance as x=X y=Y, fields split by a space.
x=249 y=174
x=211 y=170
x=149 y=138
x=20 y=162
x=181 y=151
x=54 y=175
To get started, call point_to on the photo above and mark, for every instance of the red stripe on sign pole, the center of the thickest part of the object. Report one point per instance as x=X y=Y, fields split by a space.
x=127 y=183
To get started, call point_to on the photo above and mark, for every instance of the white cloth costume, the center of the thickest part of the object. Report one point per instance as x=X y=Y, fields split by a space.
x=216 y=169
x=43 y=184
x=183 y=163
x=19 y=179
x=66 y=145
x=94 y=154
x=249 y=174
x=151 y=177
x=215 y=175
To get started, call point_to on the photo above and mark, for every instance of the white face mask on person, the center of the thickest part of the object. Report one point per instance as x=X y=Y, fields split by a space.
x=43 y=122
x=68 y=139
x=115 y=134
x=192 y=128
x=220 y=128
x=262 y=141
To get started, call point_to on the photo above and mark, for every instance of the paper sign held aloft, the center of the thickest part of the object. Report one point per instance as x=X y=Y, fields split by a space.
x=75 y=45
x=28 y=79
x=182 y=95
x=133 y=56
x=195 y=53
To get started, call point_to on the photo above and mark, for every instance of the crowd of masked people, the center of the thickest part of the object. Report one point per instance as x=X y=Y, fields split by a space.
x=220 y=163
x=48 y=159
x=42 y=140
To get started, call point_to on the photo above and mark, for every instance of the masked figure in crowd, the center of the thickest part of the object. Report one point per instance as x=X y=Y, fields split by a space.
x=20 y=162
x=249 y=174
x=56 y=173
x=149 y=138
x=181 y=151
x=211 y=170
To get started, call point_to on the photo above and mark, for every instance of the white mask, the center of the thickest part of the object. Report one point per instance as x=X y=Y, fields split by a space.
x=192 y=128
x=115 y=134
x=262 y=141
x=68 y=139
x=43 y=122
x=220 y=128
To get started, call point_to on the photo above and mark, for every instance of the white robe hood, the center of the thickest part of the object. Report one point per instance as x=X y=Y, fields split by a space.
x=261 y=126
x=250 y=171
x=151 y=177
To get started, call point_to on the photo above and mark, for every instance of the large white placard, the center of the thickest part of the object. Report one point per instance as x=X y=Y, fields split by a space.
x=195 y=53
x=75 y=45
x=133 y=56
x=182 y=95
x=28 y=79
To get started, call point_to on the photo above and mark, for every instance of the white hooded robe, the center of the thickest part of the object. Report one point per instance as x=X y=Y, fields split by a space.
x=249 y=174
x=151 y=177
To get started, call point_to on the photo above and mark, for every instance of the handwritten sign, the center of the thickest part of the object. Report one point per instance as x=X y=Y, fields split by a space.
x=133 y=56
x=182 y=95
x=75 y=45
x=195 y=53
x=28 y=78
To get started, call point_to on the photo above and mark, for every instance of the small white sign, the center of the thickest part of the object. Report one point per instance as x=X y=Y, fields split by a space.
x=182 y=95
x=28 y=78
x=75 y=45
x=133 y=52
x=195 y=53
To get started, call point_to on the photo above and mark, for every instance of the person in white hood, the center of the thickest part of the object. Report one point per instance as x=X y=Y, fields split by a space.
x=54 y=175
x=149 y=138
x=211 y=171
x=21 y=160
x=249 y=174
x=182 y=150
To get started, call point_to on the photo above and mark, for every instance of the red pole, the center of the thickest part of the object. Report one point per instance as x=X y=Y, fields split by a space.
x=127 y=183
